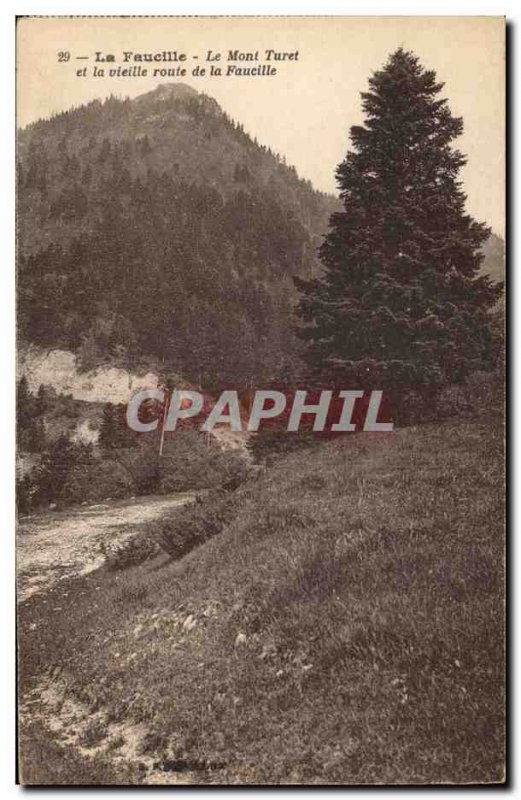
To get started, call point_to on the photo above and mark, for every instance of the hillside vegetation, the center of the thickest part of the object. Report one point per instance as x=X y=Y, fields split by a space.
x=346 y=626
x=157 y=229
x=73 y=452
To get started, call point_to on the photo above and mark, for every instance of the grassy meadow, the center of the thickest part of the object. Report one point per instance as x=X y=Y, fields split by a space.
x=344 y=625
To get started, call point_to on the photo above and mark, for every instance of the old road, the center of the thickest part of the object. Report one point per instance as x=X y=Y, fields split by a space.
x=54 y=545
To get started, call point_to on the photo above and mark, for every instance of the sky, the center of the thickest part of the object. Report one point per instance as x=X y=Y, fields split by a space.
x=304 y=112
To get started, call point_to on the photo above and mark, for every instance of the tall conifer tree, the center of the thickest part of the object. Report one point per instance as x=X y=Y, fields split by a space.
x=401 y=302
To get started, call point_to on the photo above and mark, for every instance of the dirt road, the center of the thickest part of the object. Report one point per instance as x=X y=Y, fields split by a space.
x=61 y=544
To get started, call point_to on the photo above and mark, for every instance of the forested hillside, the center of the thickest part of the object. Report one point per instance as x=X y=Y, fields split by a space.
x=156 y=230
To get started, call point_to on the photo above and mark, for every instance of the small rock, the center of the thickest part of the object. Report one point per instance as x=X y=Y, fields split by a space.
x=240 y=639
x=189 y=623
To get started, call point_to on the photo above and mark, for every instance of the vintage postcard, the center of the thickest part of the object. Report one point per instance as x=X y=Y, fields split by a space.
x=260 y=400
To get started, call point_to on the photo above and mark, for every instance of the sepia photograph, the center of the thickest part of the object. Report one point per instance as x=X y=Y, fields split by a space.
x=260 y=401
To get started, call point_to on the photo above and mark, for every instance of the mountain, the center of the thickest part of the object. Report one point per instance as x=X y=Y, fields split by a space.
x=155 y=231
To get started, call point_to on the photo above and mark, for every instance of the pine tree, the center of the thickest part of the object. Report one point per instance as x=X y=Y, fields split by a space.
x=30 y=430
x=401 y=303
x=113 y=432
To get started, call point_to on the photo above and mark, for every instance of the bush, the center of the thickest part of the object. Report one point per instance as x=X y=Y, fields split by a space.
x=144 y=466
x=25 y=489
x=194 y=524
x=97 y=481
x=478 y=397
x=130 y=553
x=190 y=463
x=71 y=472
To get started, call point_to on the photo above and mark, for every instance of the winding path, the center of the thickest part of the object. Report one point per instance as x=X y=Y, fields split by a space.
x=59 y=544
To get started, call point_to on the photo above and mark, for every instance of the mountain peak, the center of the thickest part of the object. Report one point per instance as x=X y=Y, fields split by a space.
x=167 y=91
x=180 y=95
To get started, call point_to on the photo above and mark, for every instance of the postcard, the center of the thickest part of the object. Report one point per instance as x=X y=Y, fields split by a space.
x=260 y=400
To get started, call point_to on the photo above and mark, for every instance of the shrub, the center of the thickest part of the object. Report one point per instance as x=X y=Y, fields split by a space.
x=97 y=481
x=190 y=463
x=25 y=489
x=194 y=524
x=131 y=552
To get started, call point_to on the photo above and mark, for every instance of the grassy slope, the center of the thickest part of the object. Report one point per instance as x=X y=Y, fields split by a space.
x=367 y=581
